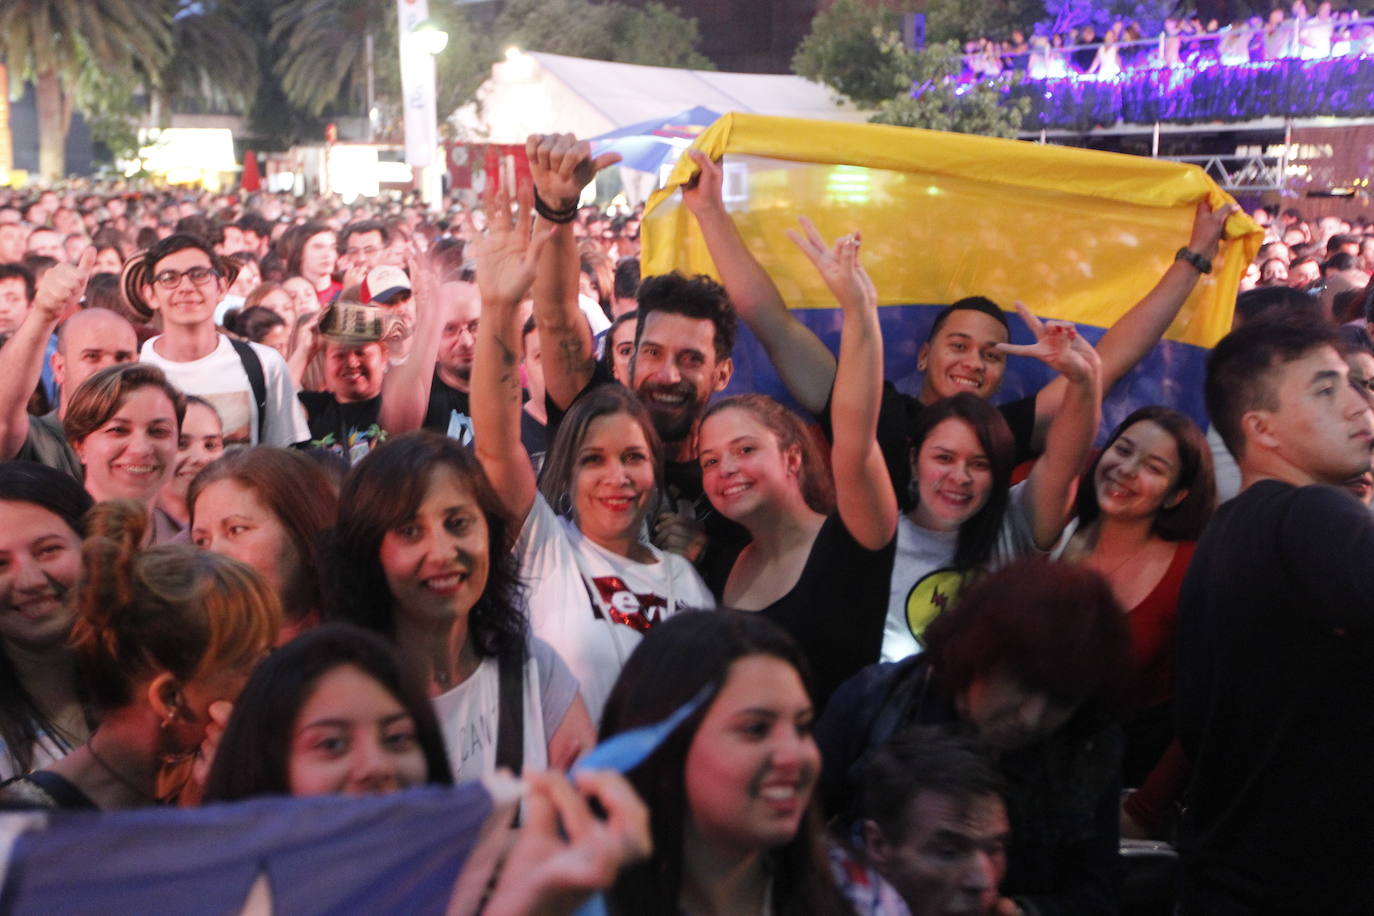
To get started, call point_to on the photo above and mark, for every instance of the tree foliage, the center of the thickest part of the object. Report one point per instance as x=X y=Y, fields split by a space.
x=936 y=102
x=961 y=20
x=75 y=52
x=602 y=31
x=856 y=50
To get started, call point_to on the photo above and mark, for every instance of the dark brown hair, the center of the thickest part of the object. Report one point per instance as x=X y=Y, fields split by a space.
x=1185 y=520
x=382 y=492
x=674 y=662
x=297 y=491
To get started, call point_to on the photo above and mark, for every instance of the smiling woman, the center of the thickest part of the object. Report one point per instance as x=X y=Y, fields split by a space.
x=124 y=423
x=421 y=556
x=731 y=790
x=581 y=527
x=41 y=714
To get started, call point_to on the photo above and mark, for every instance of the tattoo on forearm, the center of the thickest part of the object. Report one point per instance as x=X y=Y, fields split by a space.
x=574 y=356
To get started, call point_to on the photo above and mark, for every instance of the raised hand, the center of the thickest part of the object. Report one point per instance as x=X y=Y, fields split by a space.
x=508 y=254
x=561 y=166
x=1208 y=226
x=679 y=531
x=838 y=266
x=1057 y=345
x=59 y=292
x=703 y=191
x=565 y=852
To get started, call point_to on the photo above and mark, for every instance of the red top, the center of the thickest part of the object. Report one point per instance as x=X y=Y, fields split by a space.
x=1154 y=633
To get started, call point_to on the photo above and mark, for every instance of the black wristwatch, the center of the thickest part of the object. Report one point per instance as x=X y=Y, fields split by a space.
x=1203 y=264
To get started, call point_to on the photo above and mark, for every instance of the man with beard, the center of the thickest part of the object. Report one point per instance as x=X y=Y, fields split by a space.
x=461 y=306
x=683 y=341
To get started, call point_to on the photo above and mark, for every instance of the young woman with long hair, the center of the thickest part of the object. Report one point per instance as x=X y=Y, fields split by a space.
x=810 y=554
x=1141 y=507
x=730 y=792
x=42 y=712
x=595 y=584
x=422 y=556
x=333 y=712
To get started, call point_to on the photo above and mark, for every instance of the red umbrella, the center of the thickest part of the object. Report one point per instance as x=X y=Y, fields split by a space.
x=250 y=180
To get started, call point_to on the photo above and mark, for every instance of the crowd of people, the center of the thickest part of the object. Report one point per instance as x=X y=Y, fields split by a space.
x=302 y=499
x=1181 y=41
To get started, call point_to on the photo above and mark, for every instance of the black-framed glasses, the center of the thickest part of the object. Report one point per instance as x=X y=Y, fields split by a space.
x=171 y=279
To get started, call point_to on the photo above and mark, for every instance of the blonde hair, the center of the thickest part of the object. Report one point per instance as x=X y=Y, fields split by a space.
x=171 y=608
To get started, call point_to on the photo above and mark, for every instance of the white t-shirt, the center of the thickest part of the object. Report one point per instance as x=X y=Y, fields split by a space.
x=925 y=582
x=221 y=380
x=469 y=713
x=593 y=605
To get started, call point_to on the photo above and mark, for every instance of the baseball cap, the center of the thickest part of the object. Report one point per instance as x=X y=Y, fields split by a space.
x=384 y=283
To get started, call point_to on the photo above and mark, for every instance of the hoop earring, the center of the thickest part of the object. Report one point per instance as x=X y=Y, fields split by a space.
x=563 y=504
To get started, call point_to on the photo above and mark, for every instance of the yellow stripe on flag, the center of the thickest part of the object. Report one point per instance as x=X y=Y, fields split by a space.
x=1076 y=234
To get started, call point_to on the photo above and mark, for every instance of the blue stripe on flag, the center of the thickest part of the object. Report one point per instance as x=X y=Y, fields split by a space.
x=1171 y=374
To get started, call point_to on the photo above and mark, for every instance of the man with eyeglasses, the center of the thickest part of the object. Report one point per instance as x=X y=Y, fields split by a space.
x=361 y=246
x=181 y=279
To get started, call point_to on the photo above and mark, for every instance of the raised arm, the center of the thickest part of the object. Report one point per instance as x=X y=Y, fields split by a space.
x=561 y=167
x=1131 y=338
x=21 y=358
x=1053 y=482
x=863 y=489
x=405 y=392
x=806 y=366
x=506 y=259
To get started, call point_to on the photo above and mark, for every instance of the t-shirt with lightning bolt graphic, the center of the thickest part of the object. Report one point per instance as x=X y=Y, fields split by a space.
x=925 y=583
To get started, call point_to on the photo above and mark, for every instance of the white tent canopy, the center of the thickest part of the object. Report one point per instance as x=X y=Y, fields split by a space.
x=547 y=93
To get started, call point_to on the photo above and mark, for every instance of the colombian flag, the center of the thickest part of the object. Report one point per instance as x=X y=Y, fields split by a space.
x=1076 y=234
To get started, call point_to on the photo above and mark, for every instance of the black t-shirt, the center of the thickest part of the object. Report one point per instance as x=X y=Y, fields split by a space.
x=535 y=437
x=897 y=416
x=448 y=411
x=351 y=429
x=837 y=609
x=1275 y=680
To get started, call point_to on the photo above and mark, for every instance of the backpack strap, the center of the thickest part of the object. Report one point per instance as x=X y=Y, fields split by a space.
x=510 y=721
x=252 y=367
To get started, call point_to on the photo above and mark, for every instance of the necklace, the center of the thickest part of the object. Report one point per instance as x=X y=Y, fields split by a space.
x=115 y=774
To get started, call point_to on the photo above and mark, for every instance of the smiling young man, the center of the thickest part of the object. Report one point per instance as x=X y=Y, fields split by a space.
x=181 y=279
x=1276 y=638
x=346 y=417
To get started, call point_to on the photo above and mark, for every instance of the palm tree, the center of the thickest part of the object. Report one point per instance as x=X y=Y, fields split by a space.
x=215 y=57
x=322 y=47
x=52 y=41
